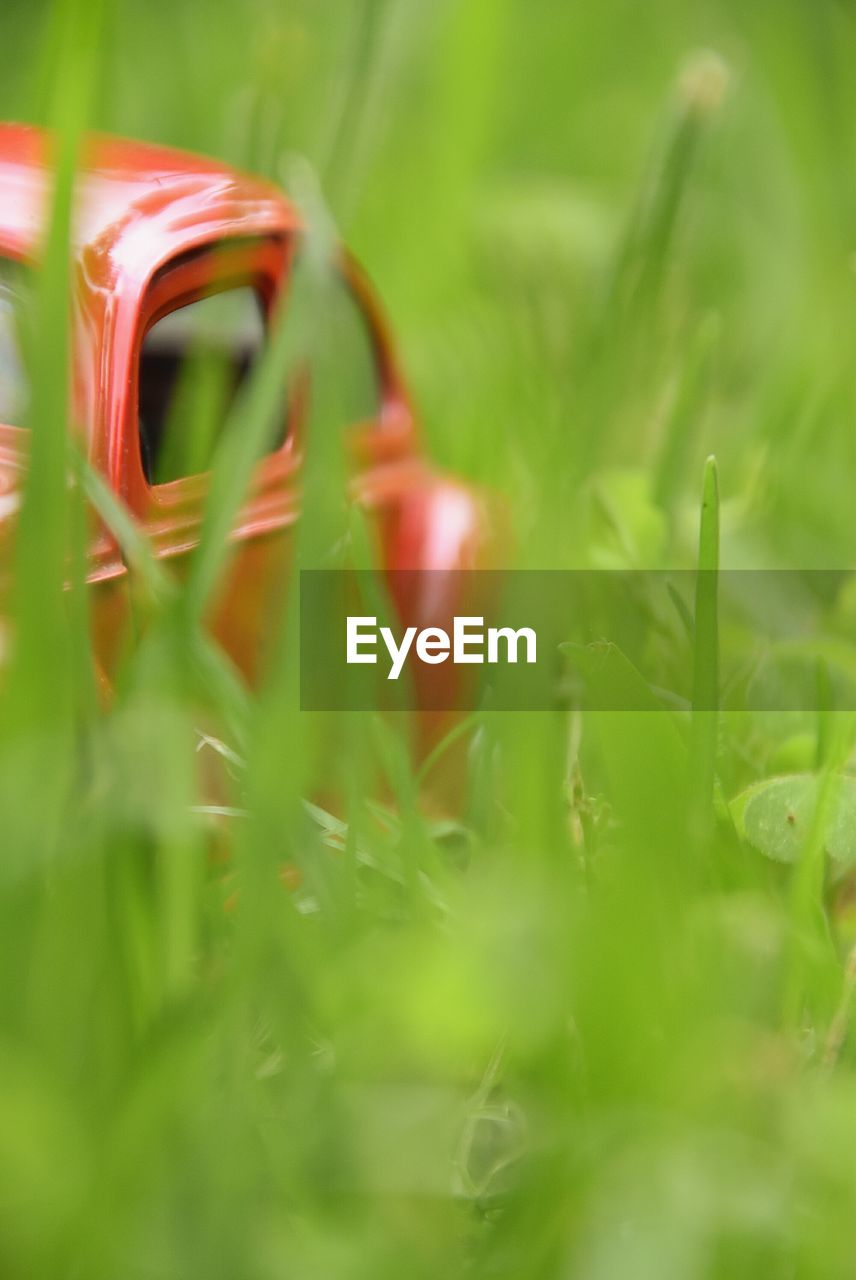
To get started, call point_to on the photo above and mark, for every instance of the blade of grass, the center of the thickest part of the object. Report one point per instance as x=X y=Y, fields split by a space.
x=705 y=700
x=642 y=259
x=256 y=409
x=41 y=682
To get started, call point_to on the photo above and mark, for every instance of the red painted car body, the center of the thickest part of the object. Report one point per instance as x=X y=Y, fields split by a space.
x=155 y=229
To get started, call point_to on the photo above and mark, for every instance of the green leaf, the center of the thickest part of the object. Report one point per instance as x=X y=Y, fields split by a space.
x=775 y=817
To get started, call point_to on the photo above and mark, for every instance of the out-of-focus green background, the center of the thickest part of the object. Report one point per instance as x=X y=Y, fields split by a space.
x=563 y=1032
x=485 y=157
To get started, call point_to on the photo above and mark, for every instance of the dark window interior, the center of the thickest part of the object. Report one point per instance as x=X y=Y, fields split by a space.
x=193 y=363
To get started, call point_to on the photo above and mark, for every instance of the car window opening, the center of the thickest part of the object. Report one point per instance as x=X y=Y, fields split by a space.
x=194 y=362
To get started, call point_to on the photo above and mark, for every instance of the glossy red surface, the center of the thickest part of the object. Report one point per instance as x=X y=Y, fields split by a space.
x=140 y=210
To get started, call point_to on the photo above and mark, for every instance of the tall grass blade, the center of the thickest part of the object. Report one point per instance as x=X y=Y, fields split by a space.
x=705 y=700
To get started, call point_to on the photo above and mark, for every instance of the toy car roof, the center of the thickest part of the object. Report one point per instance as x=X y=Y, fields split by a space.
x=137 y=205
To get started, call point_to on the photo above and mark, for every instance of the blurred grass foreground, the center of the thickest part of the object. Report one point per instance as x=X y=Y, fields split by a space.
x=598 y=1023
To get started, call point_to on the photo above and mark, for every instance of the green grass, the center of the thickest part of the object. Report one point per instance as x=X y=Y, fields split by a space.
x=572 y=1030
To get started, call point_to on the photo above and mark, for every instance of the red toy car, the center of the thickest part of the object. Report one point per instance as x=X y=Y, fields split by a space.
x=174 y=251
